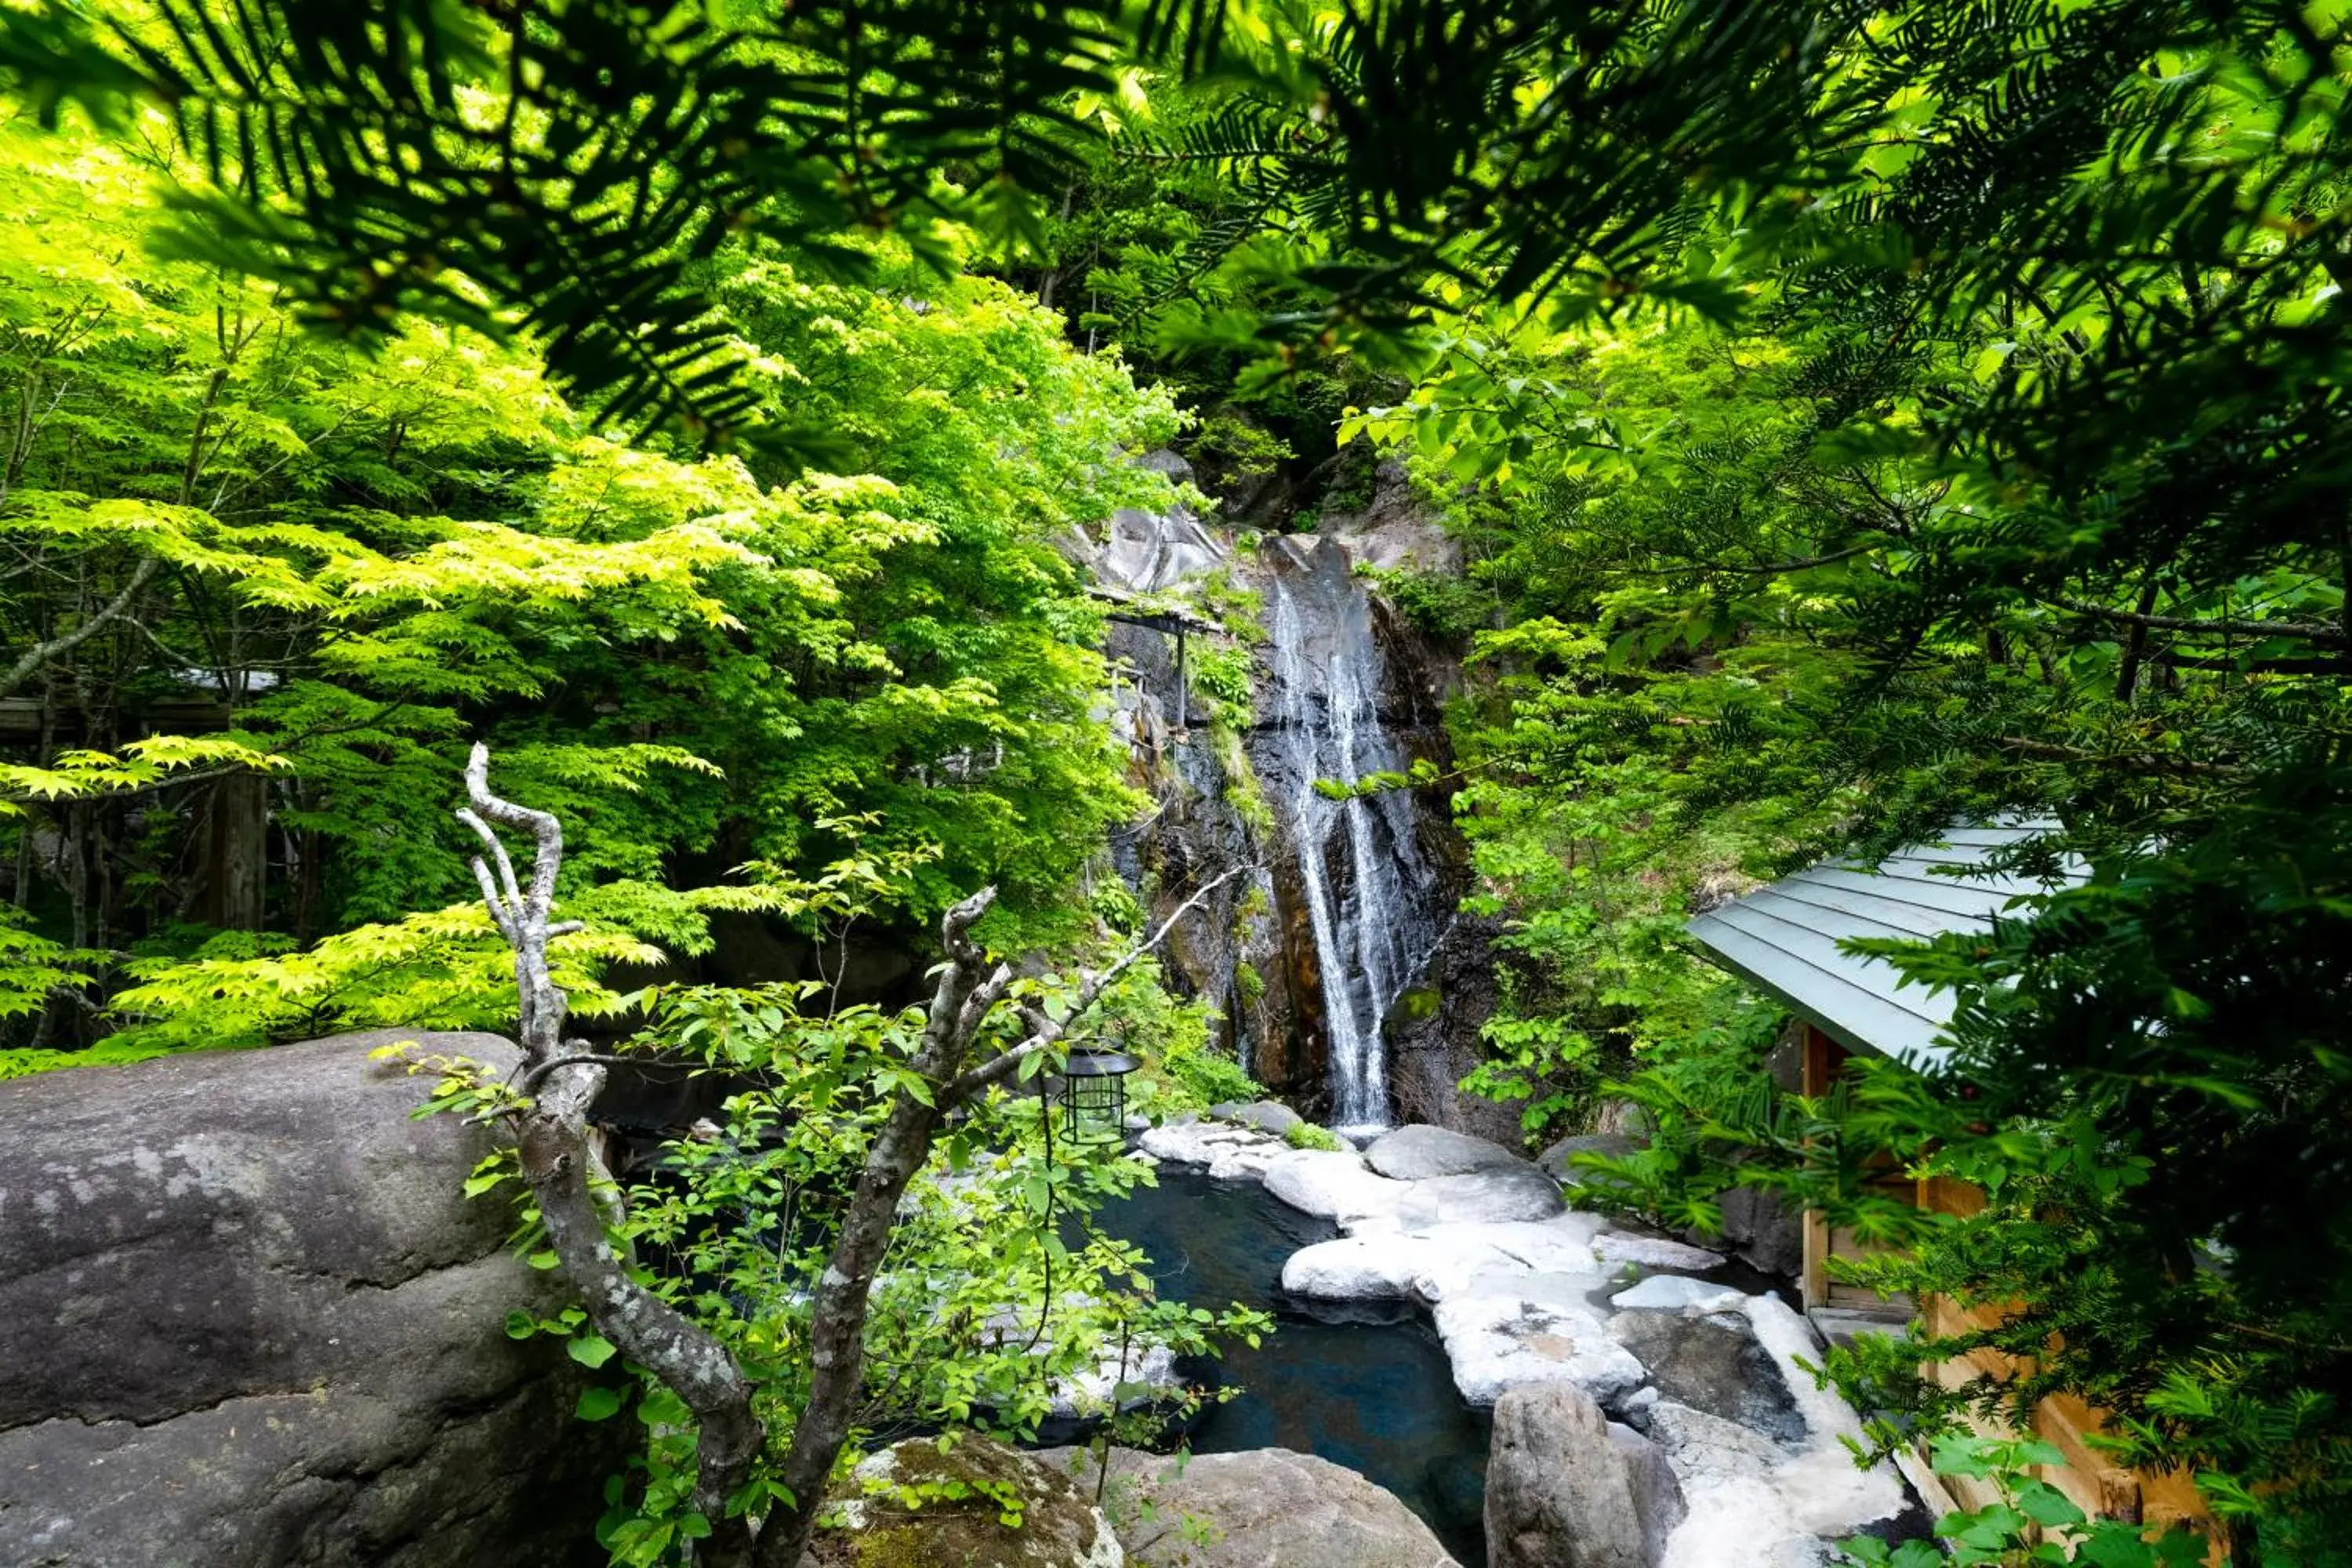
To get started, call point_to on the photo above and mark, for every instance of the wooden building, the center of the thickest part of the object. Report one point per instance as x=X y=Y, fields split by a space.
x=1785 y=940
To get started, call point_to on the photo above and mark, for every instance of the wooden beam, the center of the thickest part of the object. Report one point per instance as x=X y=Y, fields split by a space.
x=1137 y=613
x=20 y=719
x=1815 y=1281
x=1813 y=1079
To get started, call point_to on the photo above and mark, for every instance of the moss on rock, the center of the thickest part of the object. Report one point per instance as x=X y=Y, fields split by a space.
x=978 y=1505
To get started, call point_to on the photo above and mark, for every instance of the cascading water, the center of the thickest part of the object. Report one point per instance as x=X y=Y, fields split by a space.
x=1367 y=887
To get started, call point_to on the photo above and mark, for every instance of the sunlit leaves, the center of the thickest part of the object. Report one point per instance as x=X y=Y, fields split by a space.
x=139 y=765
x=447 y=969
x=33 y=969
x=2029 y=1520
x=423 y=543
x=377 y=174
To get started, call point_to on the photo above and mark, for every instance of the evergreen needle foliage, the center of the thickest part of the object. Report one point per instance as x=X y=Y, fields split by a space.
x=1860 y=416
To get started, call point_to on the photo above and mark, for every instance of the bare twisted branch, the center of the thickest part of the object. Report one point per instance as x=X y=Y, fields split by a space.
x=552 y=1138
x=1043 y=1031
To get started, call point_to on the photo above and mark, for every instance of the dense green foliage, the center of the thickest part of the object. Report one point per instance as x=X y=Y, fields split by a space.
x=2011 y=485
x=2032 y=1521
x=572 y=171
x=1863 y=417
x=266 y=585
x=1001 y=1305
x=333 y=568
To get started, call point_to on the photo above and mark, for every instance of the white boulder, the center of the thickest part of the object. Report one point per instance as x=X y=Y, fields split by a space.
x=1333 y=1184
x=1231 y=1153
x=1753 y=1500
x=1354 y=1268
x=1679 y=1293
x=1500 y=1193
x=1416 y=1153
x=1247 y=1161
x=1531 y=1329
x=1561 y=1246
x=1389 y=1264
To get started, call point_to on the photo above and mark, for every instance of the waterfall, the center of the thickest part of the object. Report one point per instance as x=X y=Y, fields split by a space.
x=1366 y=886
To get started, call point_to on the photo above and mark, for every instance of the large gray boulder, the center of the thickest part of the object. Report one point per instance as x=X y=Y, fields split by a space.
x=1148 y=551
x=1764 y=1231
x=1560 y=1160
x=1567 y=1488
x=1400 y=527
x=1658 y=1500
x=1416 y=1153
x=1261 y=1508
x=247 y=1320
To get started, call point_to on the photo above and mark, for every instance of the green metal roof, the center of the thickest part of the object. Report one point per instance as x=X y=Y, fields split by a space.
x=1784 y=939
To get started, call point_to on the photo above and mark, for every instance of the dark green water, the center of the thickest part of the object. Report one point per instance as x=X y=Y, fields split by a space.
x=1375 y=1395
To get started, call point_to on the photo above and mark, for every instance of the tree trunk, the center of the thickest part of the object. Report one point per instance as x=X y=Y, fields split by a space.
x=556 y=1164
x=692 y=1363
x=837 y=1315
x=236 y=859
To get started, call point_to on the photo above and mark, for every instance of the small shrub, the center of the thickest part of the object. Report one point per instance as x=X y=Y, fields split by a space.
x=1223 y=675
x=1441 y=606
x=1238 y=449
x=1241 y=790
x=1306 y=1135
x=1201 y=1075
x=2033 y=1521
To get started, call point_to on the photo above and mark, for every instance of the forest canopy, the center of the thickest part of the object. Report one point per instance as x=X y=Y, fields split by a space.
x=1858 y=419
x=340 y=563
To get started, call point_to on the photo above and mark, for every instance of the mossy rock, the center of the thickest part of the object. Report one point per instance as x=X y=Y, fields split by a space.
x=979 y=1505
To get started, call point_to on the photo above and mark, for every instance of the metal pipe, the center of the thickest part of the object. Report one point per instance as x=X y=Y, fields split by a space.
x=1181 y=688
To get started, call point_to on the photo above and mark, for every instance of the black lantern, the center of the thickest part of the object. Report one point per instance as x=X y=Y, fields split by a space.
x=1094 y=1093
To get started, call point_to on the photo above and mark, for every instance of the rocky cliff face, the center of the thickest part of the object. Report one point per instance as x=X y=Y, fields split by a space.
x=247 y=1320
x=1345 y=979
x=1206 y=817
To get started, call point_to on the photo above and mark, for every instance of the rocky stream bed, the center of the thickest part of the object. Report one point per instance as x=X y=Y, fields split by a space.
x=1646 y=1407
x=306 y=1366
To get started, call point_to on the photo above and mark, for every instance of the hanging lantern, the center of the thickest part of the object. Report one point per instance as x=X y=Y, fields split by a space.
x=1094 y=1093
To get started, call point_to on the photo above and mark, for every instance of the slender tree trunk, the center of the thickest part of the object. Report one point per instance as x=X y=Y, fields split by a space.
x=837 y=1315
x=2136 y=643
x=969 y=989
x=556 y=1162
x=557 y=1165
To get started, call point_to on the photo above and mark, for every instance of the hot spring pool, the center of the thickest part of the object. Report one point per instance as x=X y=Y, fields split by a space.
x=1373 y=1393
